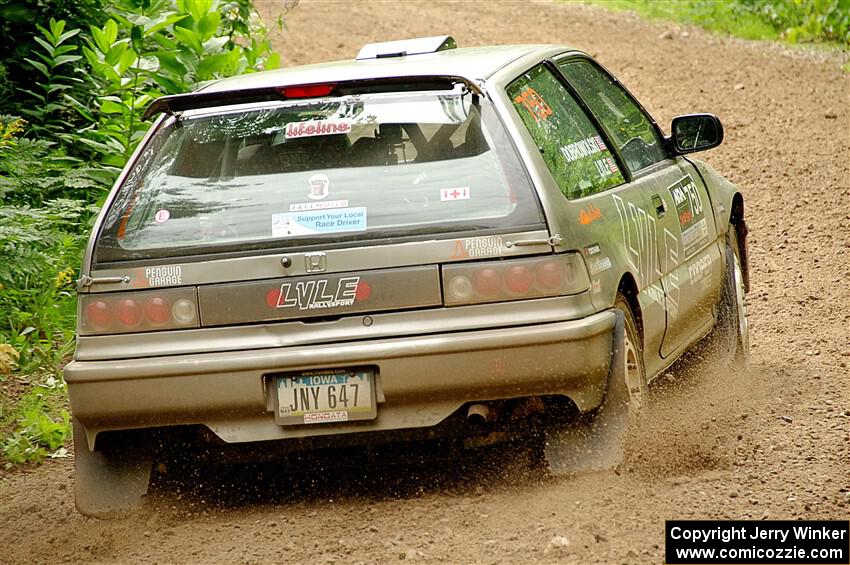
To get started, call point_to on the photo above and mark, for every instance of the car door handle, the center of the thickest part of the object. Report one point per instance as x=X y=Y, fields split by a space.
x=660 y=207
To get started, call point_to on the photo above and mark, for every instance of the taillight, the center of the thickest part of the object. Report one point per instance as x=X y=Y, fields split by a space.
x=128 y=312
x=157 y=310
x=518 y=279
x=363 y=291
x=488 y=282
x=123 y=312
x=550 y=274
x=98 y=314
x=514 y=279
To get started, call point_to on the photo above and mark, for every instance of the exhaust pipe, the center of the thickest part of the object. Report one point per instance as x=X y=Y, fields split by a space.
x=479 y=413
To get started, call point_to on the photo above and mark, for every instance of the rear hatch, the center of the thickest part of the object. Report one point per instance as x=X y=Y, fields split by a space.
x=314 y=208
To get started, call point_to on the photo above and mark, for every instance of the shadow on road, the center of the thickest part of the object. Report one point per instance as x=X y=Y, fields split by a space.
x=361 y=473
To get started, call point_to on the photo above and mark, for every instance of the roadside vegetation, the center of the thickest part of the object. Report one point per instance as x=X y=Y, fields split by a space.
x=75 y=77
x=792 y=21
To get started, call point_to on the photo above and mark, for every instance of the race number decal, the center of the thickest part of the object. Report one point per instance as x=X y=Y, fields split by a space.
x=689 y=209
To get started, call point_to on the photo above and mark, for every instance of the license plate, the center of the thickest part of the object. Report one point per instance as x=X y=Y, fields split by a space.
x=317 y=397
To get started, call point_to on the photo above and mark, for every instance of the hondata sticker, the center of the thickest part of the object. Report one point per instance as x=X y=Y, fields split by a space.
x=318 y=221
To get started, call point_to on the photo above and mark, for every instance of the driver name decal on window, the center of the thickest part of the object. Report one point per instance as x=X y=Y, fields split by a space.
x=583 y=148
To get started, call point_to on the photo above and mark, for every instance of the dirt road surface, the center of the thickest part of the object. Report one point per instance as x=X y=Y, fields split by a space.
x=772 y=443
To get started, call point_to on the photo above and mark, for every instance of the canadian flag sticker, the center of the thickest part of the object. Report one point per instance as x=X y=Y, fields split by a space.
x=459 y=193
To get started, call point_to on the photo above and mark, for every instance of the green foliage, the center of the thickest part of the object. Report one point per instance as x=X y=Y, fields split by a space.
x=17 y=19
x=54 y=60
x=81 y=72
x=807 y=20
x=40 y=249
x=160 y=47
x=34 y=171
x=794 y=21
x=40 y=426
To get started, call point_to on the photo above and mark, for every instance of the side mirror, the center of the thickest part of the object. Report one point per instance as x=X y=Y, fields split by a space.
x=696 y=132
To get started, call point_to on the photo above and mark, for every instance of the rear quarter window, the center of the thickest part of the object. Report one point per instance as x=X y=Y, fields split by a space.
x=571 y=146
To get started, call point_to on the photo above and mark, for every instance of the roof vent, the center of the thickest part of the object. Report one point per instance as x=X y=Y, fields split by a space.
x=406 y=47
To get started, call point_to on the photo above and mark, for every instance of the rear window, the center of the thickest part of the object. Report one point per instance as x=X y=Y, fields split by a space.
x=320 y=171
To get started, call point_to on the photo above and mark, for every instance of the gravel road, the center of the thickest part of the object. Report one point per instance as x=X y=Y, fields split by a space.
x=771 y=443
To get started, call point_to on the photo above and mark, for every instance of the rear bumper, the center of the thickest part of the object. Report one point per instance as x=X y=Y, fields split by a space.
x=421 y=380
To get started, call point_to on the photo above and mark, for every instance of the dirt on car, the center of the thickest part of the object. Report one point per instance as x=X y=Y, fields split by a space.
x=770 y=442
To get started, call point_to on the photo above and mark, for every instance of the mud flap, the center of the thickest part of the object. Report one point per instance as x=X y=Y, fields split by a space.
x=111 y=483
x=595 y=441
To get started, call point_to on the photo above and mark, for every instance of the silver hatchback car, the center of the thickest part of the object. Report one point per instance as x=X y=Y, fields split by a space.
x=423 y=241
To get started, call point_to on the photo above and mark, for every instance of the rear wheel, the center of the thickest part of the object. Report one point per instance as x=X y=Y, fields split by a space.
x=596 y=441
x=110 y=481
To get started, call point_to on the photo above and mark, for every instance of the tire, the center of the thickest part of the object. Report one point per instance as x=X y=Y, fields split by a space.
x=729 y=341
x=596 y=441
x=109 y=482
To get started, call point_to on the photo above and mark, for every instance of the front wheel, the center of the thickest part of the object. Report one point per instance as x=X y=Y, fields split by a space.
x=730 y=338
x=596 y=441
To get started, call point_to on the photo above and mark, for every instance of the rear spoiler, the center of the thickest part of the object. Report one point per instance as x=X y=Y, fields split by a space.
x=175 y=103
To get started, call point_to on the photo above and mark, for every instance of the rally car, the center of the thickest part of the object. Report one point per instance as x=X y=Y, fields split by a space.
x=423 y=241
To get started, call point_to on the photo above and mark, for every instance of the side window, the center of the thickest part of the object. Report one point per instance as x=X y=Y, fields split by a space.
x=628 y=127
x=571 y=146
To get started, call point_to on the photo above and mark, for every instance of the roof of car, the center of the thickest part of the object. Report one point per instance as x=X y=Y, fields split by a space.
x=470 y=63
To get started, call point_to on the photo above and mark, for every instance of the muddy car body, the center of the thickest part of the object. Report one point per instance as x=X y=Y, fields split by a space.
x=340 y=251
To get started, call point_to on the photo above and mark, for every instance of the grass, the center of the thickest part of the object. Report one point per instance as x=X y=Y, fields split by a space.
x=720 y=17
x=825 y=22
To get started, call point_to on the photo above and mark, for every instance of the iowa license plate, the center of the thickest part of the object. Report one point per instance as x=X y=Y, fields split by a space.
x=333 y=395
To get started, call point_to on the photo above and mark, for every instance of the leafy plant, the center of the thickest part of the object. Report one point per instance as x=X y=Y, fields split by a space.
x=82 y=82
x=19 y=33
x=35 y=297
x=40 y=428
x=34 y=171
x=55 y=56
x=160 y=47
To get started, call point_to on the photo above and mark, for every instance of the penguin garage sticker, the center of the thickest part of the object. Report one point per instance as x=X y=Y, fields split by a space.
x=475 y=247
x=165 y=275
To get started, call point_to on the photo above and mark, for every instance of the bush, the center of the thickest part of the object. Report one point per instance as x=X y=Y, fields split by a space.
x=79 y=80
